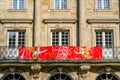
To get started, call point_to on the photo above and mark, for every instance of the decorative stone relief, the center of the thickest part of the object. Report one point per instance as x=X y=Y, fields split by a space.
x=36 y=70
x=84 y=71
x=60 y=69
x=58 y=26
x=108 y=69
x=12 y=69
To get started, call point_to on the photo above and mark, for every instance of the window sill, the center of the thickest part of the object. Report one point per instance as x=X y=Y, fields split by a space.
x=17 y=10
x=59 y=10
x=103 y=10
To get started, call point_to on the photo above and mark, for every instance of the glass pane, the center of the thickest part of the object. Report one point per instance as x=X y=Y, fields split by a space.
x=21 y=38
x=106 y=4
x=65 y=38
x=109 y=39
x=21 y=4
x=12 y=39
x=57 y=4
x=13 y=77
x=55 y=38
x=99 y=41
x=106 y=77
x=60 y=77
x=15 y=4
x=99 y=3
x=63 y=4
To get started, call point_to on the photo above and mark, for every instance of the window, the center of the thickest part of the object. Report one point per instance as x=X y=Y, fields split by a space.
x=60 y=77
x=102 y=4
x=13 y=77
x=104 y=38
x=18 y=4
x=16 y=38
x=60 y=38
x=107 y=77
x=60 y=4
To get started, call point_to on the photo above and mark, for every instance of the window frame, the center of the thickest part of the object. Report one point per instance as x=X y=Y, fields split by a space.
x=101 y=76
x=103 y=9
x=52 y=6
x=60 y=37
x=104 y=38
x=60 y=5
x=18 y=5
x=9 y=76
x=16 y=38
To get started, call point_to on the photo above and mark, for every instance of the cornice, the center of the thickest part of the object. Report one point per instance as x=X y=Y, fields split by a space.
x=103 y=21
x=16 y=21
x=59 y=21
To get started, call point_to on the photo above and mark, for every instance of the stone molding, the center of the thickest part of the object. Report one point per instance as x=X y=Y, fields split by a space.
x=16 y=21
x=59 y=20
x=103 y=21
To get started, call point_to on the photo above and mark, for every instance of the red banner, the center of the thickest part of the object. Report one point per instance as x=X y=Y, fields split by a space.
x=60 y=52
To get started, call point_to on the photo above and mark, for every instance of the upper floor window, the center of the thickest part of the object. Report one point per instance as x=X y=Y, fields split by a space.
x=102 y=4
x=104 y=38
x=60 y=4
x=60 y=38
x=16 y=38
x=18 y=4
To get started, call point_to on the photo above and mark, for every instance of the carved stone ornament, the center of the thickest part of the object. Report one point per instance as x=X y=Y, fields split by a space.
x=108 y=69
x=35 y=67
x=58 y=26
x=36 y=70
x=60 y=69
x=84 y=70
x=16 y=25
x=84 y=67
x=12 y=69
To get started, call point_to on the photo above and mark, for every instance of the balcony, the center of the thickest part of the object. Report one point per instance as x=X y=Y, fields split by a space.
x=7 y=53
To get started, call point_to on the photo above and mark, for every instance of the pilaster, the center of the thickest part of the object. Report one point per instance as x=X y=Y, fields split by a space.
x=82 y=21
x=37 y=23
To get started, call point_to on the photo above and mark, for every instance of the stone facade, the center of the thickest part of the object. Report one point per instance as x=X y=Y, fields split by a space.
x=39 y=18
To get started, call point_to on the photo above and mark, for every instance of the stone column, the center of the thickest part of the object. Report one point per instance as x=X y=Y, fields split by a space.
x=35 y=71
x=83 y=74
x=37 y=21
x=82 y=22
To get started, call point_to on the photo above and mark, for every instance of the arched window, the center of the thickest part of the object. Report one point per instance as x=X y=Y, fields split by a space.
x=60 y=77
x=13 y=77
x=107 y=77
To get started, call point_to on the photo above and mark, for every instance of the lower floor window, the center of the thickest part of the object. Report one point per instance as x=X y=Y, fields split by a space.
x=60 y=37
x=60 y=77
x=13 y=77
x=107 y=77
